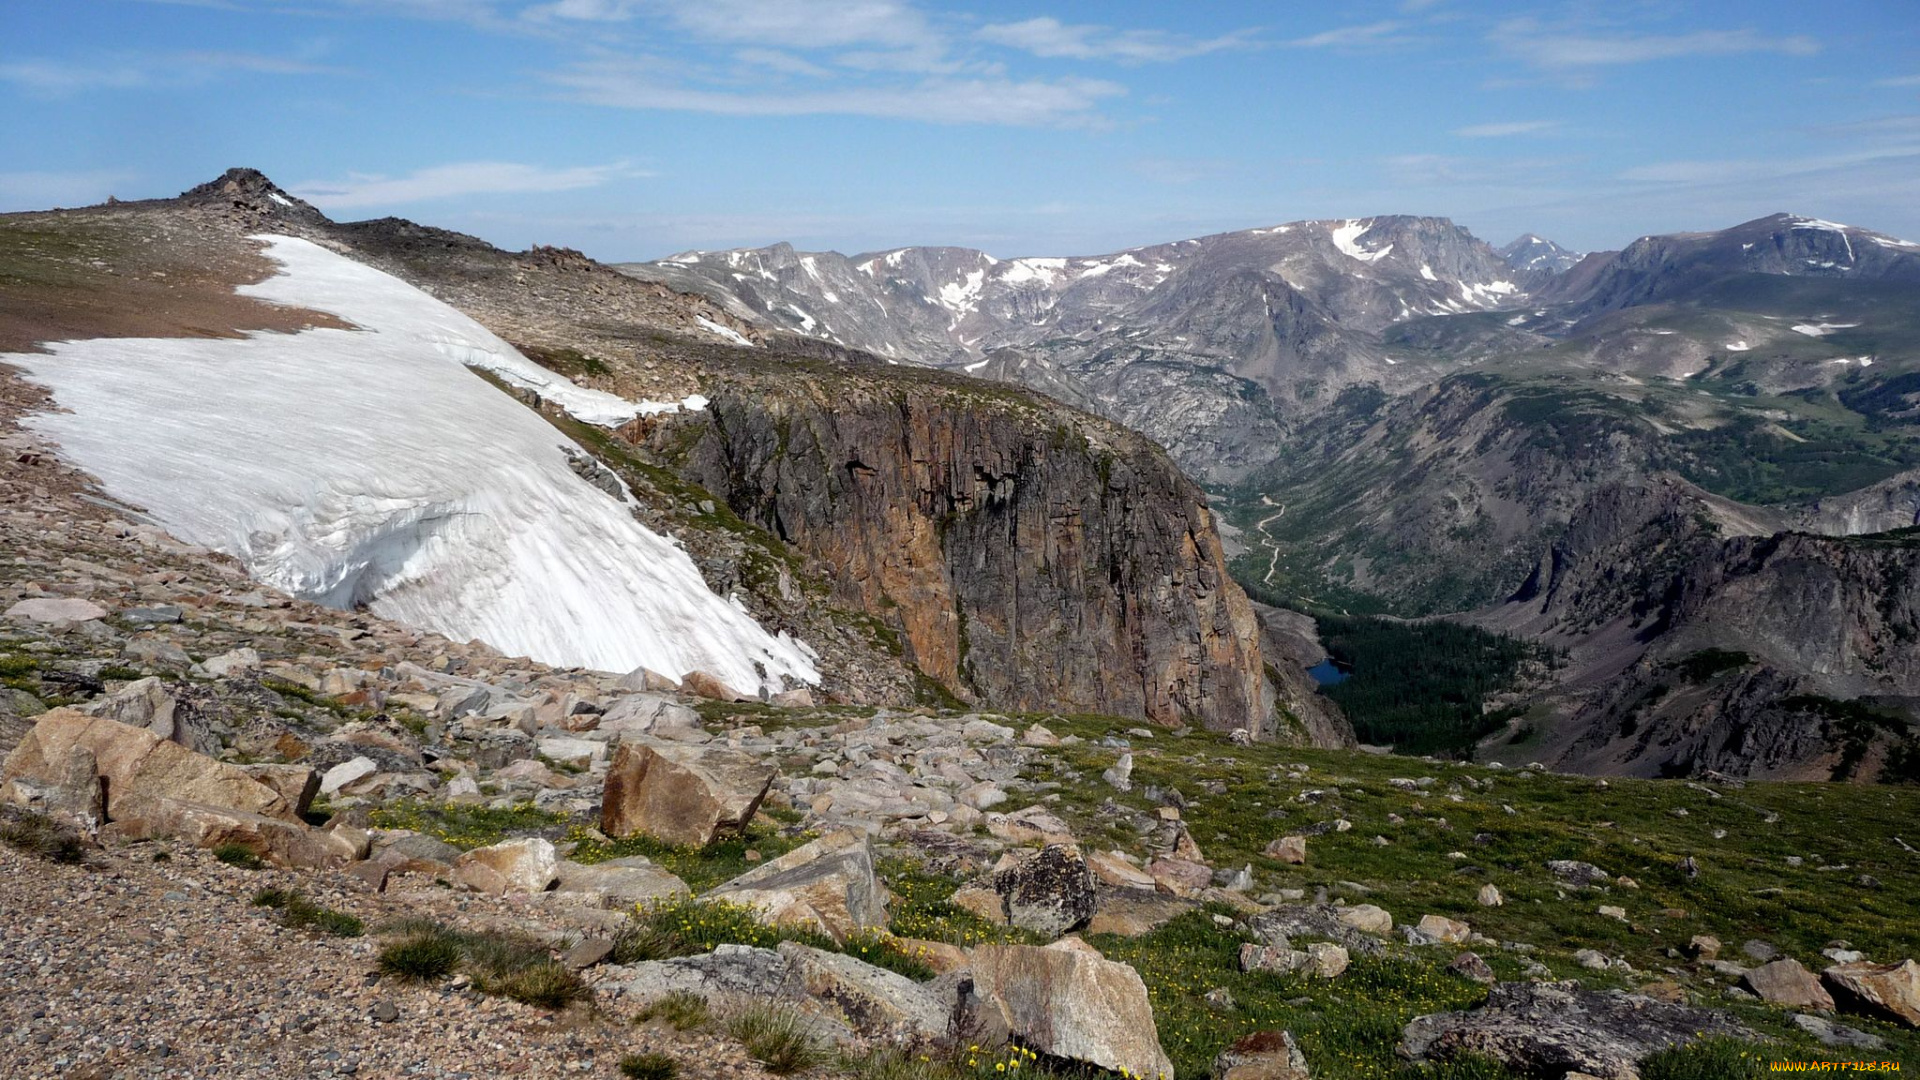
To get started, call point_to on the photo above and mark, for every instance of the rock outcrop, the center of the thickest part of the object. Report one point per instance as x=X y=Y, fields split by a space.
x=1553 y=1028
x=826 y=885
x=1028 y=556
x=680 y=794
x=1067 y=1001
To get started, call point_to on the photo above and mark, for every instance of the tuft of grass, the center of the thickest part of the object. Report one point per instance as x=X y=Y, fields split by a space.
x=504 y=965
x=1707 y=1059
x=299 y=913
x=649 y=1067
x=37 y=834
x=422 y=956
x=468 y=827
x=780 y=1039
x=239 y=855
x=546 y=984
x=680 y=1010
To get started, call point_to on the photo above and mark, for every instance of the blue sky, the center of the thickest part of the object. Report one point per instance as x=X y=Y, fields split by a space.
x=635 y=128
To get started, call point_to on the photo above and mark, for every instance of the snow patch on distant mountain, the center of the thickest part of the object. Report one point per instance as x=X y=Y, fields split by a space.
x=1346 y=237
x=369 y=467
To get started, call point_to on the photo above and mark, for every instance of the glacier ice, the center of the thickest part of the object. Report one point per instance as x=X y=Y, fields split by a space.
x=367 y=466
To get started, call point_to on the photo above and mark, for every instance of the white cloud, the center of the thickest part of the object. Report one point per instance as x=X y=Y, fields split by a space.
x=1498 y=131
x=1900 y=81
x=1053 y=39
x=1354 y=37
x=448 y=181
x=986 y=100
x=1554 y=49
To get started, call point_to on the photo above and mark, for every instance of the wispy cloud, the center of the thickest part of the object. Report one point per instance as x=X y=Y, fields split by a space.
x=1049 y=37
x=984 y=100
x=1899 y=81
x=449 y=181
x=1500 y=131
x=1368 y=35
x=48 y=77
x=1177 y=171
x=1561 y=49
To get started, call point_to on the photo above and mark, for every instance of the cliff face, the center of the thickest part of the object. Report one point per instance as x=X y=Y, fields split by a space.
x=1029 y=557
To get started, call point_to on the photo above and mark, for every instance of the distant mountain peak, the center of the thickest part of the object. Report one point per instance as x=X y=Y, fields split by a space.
x=250 y=190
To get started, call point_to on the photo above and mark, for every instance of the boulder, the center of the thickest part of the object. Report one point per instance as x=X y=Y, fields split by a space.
x=702 y=684
x=347 y=772
x=528 y=865
x=1490 y=896
x=282 y=842
x=1132 y=914
x=1886 y=991
x=826 y=885
x=140 y=769
x=875 y=1002
x=1786 y=982
x=681 y=794
x=728 y=972
x=579 y=753
x=1327 y=961
x=1069 y=1003
x=69 y=790
x=1835 y=1035
x=1704 y=948
x=1113 y=871
x=619 y=883
x=1556 y=1028
x=1263 y=1055
x=1580 y=875
x=230 y=663
x=649 y=714
x=1033 y=825
x=1048 y=892
x=1368 y=919
x=1469 y=965
x=1180 y=877
x=49 y=609
x=296 y=783
x=1439 y=928
x=1289 y=849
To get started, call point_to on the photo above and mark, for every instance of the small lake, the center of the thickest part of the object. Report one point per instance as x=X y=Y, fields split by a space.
x=1328 y=673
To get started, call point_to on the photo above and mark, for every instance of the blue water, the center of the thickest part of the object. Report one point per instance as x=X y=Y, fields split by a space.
x=1327 y=673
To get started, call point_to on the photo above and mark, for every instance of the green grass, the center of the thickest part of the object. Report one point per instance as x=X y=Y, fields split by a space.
x=779 y=1038
x=701 y=868
x=300 y=913
x=1710 y=1059
x=650 y=1066
x=502 y=964
x=39 y=835
x=1240 y=798
x=239 y=855
x=468 y=827
x=680 y=1010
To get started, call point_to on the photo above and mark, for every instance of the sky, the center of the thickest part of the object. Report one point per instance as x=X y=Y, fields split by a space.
x=632 y=129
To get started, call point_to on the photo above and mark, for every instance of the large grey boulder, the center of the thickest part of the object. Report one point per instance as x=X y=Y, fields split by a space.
x=729 y=971
x=680 y=794
x=619 y=883
x=527 y=865
x=1553 y=1028
x=649 y=714
x=1067 y=1001
x=1786 y=982
x=826 y=885
x=873 y=1001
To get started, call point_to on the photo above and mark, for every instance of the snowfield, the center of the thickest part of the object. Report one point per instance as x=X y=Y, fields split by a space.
x=369 y=467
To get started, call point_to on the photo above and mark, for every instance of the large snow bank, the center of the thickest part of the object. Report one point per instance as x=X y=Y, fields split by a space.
x=368 y=466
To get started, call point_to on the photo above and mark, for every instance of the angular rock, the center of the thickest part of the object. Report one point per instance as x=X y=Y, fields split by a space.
x=347 y=772
x=1554 y=1028
x=1468 y=965
x=1439 y=928
x=527 y=865
x=1837 y=1035
x=1120 y=774
x=619 y=883
x=1289 y=849
x=1368 y=919
x=1327 y=961
x=296 y=783
x=1704 y=948
x=1263 y=1055
x=1133 y=914
x=279 y=841
x=701 y=684
x=1580 y=875
x=70 y=791
x=826 y=885
x=1786 y=982
x=875 y=1002
x=728 y=972
x=1035 y=824
x=1072 y=1004
x=649 y=714
x=1490 y=896
x=233 y=662
x=1049 y=892
x=680 y=794
x=579 y=753
x=588 y=953
x=1112 y=870
x=1180 y=877
x=1886 y=991
x=139 y=768
x=48 y=609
